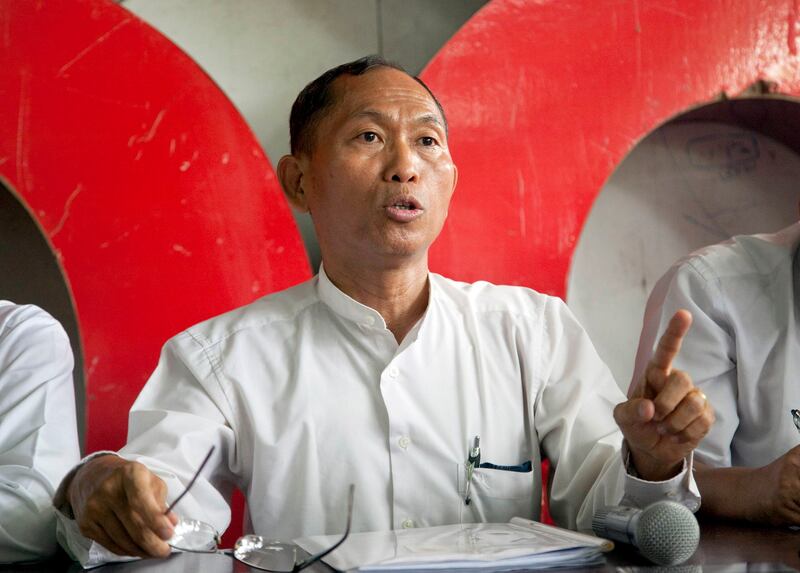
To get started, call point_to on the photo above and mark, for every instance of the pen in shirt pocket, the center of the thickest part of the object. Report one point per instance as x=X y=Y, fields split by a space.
x=474 y=462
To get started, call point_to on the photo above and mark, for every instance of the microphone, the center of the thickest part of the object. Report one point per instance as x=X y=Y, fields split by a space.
x=665 y=532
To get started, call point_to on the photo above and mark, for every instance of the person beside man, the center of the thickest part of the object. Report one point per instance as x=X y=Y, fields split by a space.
x=744 y=353
x=380 y=373
x=38 y=431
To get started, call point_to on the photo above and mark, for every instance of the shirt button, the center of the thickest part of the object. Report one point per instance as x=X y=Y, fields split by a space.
x=369 y=321
x=408 y=524
x=404 y=442
x=393 y=372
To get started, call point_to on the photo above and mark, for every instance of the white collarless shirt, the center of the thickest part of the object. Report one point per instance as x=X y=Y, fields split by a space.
x=306 y=391
x=38 y=431
x=743 y=349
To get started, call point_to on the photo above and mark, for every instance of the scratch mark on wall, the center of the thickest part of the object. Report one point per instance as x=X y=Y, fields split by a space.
x=138 y=155
x=108 y=100
x=255 y=287
x=172 y=147
x=91 y=47
x=669 y=10
x=92 y=366
x=602 y=146
x=637 y=27
x=180 y=249
x=3 y=160
x=516 y=100
x=23 y=177
x=185 y=166
x=148 y=137
x=226 y=157
x=67 y=207
x=119 y=238
x=521 y=197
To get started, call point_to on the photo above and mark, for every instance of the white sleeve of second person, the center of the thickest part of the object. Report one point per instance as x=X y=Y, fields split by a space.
x=179 y=415
x=575 y=423
x=38 y=432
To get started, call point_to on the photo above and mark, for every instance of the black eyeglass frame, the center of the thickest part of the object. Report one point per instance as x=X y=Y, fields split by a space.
x=258 y=538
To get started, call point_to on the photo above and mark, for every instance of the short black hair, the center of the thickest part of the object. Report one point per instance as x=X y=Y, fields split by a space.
x=317 y=96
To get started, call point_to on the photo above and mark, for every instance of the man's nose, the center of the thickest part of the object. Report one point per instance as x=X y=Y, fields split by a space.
x=402 y=166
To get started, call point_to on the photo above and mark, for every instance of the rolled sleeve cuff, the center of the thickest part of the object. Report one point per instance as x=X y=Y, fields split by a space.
x=85 y=551
x=82 y=549
x=682 y=488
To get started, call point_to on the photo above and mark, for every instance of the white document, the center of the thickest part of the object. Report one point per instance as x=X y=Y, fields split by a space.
x=520 y=543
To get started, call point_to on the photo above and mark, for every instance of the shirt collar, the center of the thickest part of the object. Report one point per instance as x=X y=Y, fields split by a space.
x=346 y=307
x=352 y=310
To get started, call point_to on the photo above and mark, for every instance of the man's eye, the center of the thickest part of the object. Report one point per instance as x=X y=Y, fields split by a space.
x=428 y=141
x=369 y=136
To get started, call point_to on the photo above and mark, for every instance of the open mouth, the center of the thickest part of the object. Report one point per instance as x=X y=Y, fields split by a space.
x=406 y=204
x=404 y=209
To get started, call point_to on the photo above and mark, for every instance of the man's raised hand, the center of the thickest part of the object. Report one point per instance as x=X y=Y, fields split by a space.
x=666 y=416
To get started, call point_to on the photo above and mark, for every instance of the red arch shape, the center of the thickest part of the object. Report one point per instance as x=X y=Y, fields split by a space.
x=153 y=192
x=546 y=98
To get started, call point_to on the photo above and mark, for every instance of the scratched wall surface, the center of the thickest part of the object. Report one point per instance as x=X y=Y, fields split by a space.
x=546 y=98
x=151 y=190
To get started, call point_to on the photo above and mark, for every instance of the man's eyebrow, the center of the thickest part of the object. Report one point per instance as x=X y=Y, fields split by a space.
x=430 y=118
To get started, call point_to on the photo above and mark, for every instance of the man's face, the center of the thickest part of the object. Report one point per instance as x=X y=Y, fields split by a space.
x=380 y=177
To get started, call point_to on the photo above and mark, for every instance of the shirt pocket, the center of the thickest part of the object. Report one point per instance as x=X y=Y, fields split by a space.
x=496 y=495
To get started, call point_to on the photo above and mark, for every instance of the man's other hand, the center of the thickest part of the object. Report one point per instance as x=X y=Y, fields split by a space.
x=667 y=416
x=120 y=504
x=775 y=488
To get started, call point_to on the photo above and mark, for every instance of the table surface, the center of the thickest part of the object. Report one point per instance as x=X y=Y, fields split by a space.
x=724 y=547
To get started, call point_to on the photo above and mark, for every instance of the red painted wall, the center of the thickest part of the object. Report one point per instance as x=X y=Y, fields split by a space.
x=545 y=99
x=153 y=192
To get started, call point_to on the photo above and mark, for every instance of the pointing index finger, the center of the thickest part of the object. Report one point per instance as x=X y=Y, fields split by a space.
x=670 y=342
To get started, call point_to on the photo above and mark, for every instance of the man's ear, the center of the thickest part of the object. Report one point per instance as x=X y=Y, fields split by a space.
x=290 y=174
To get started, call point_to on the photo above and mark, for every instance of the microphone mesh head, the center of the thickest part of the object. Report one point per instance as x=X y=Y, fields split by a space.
x=667 y=533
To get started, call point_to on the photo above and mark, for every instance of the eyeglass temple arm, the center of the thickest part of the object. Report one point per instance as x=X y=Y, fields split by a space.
x=191 y=481
x=318 y=556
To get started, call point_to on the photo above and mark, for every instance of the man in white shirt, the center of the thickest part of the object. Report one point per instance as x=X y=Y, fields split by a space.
x=744 y=353
x=379 y=373
x=38 y=431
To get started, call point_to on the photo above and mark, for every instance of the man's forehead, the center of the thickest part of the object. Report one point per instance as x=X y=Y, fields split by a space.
x=364 y=94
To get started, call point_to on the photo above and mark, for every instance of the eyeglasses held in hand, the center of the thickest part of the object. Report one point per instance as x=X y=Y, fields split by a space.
x=252 y=550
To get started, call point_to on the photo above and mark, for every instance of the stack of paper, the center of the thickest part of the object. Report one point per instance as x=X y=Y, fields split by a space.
x=519 y=544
